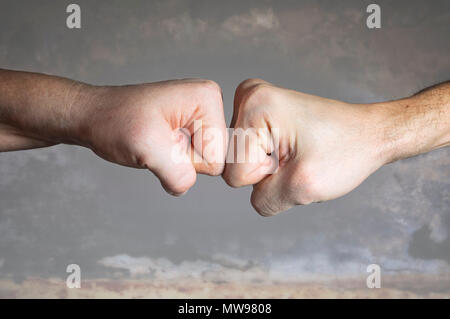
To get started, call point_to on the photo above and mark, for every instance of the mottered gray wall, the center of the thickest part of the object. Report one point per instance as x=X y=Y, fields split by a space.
x=64 y=205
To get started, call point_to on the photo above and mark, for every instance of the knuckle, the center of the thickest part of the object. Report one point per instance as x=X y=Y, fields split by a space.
x=174 y=189
x=232 y=178
x=210 y=87
x=250 y=94
x=215 y=169
x=178 y=189
x=259 y=95
x=176 y=185
x=264 y=206
x=303 y=199
x=234 y=182
x=248 y=83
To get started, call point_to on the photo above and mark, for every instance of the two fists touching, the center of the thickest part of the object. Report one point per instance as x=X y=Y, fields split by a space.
x=294 y=148
x=324 y=148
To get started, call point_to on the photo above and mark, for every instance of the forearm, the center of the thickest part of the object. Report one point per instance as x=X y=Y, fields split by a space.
x=414 y=125
x=39 y=110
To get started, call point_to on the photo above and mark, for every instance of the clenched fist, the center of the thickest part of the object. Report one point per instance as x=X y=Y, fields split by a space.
x=143 y=126
x=296 y=148
x=326 y=148
x=152 y=125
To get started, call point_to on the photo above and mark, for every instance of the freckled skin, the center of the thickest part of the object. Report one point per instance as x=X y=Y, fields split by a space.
x=328 y=147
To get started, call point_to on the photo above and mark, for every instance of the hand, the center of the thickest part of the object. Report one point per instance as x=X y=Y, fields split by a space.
x=142 y=125
x=326 y=147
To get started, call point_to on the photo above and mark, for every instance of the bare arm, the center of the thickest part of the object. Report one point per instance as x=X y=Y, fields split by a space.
x=417 y=124
x=329 y=147
x=133 y=125
x=39 y=110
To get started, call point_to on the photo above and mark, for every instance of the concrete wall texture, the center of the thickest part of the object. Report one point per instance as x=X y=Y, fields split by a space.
x=64 y=205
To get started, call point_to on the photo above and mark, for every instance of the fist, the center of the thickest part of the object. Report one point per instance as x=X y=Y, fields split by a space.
x=323 y=148
x=152 y=126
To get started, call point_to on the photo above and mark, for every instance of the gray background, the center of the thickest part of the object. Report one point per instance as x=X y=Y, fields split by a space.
x=64 y=205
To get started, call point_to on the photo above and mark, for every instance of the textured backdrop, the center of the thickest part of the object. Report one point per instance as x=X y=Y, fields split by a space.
x=64 y=205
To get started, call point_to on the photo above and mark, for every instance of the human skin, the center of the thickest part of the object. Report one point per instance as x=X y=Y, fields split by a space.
x=329 y=147
x=134 y=125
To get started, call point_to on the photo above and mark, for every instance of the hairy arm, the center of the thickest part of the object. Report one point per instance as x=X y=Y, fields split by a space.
x=329 y=147
x=38 y=110
x=415 y=125
x=138 y=125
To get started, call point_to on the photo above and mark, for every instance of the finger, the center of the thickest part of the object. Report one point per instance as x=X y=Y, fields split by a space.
x=170 y=161
x=209 y=138
x=252 y=155
x=208 y=150
x=272 y=195
x=243 y=88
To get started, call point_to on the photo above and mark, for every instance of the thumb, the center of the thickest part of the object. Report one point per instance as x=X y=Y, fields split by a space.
x=171 y=163
x=252 y=155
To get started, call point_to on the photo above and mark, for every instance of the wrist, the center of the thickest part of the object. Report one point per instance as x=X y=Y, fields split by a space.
x=394 y=129
x=83 y=109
